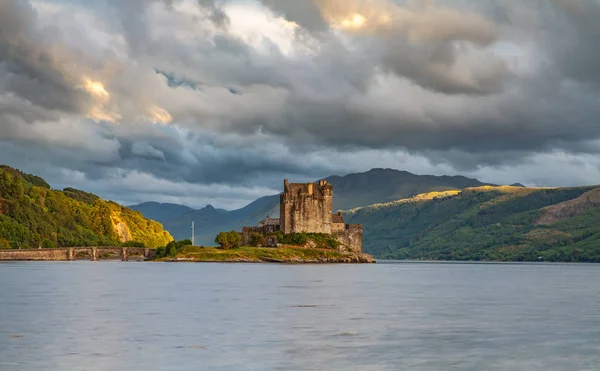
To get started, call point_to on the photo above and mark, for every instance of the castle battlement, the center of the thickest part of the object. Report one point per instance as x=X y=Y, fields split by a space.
x=306 y=207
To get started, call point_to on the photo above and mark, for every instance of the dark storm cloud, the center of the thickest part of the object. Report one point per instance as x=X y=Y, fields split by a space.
x=196 y=159
x=216 y=13
x=510 y=109
x=573 y=43
x=304 y=13
x=33 y=63
x=431 y=66
x=298 y=88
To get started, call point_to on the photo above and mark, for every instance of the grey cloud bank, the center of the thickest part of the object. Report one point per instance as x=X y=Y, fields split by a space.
x=215 y=102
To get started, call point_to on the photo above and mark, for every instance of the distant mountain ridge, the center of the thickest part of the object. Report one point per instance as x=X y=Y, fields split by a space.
x=350 y=191
x=161 y=212
x=385 y=185
x=210 y=221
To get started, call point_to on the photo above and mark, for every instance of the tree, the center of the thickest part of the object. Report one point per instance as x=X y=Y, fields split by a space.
x=228 y=240
x=257 y=239
x=173 y=247
x=48 y=244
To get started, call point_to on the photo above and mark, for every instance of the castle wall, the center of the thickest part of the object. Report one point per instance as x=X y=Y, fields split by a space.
x=247 y=232
x=350 y=237
x=306 y=208
x=337 y=227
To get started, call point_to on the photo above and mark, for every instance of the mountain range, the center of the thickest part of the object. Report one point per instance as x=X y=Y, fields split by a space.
x=350 y=191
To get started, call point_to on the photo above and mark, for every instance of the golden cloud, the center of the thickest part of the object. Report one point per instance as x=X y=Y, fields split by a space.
x=417 y=23
x=99 y=111
x=159 y=115
x=96 y=89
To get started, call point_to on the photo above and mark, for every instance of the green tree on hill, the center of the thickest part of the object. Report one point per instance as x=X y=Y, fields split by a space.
x=48 y=244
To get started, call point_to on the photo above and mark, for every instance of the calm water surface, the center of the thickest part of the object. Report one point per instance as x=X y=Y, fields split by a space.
x=153 y=316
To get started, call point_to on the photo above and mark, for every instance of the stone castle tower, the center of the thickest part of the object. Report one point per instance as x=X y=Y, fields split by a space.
x=306 y=207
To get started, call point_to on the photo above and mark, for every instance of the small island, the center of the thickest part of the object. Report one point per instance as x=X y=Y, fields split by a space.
x=281 y=255
x=306 y=232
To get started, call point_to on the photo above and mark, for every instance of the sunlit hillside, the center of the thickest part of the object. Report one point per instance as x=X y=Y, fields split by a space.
x=486 y=223
x=32 y=215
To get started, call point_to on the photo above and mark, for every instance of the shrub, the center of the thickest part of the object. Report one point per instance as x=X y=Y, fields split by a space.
x=296 y=239
x=228 y=240
x=257 y=239
x=175 y=246
x=172 y=249
x=322 y=241
x=4 y=245
x=48 y=244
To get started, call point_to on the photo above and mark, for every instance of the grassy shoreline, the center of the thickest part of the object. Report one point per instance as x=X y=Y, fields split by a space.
x=282 y=255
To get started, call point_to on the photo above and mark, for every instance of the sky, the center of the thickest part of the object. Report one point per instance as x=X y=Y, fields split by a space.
x=217 y=101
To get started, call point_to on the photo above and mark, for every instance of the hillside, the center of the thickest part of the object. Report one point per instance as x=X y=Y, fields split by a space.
x=486 y=223
x=33 y=215
x=350 y=191
x=385 y=185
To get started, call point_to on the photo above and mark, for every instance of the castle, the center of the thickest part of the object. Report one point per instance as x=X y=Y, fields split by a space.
x=307 y=208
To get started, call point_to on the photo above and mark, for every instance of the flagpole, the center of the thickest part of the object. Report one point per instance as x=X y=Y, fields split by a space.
x=193 y=244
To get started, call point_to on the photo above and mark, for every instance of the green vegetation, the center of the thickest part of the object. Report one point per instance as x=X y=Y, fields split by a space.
x=486 y=223
x=81 y=196
x=33 y=215
x=315 y=240
x=172 y=248
x=27 y=178
x=261 y=255
x=257 y=239
x=228 y=240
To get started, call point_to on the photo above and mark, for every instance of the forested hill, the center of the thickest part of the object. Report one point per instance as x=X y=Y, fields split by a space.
x=486 y=223
x=33 y=215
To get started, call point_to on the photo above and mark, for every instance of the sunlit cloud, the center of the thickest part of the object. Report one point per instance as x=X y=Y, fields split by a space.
x=255 y=25
x=96 y=88
x=99 y=111
x=354 y=21
x=429 y=21
x=159 y=115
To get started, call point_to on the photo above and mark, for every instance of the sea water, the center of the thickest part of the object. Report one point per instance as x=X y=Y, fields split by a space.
x=391 y=316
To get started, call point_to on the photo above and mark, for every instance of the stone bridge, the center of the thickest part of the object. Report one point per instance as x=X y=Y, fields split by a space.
x=78 y=253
